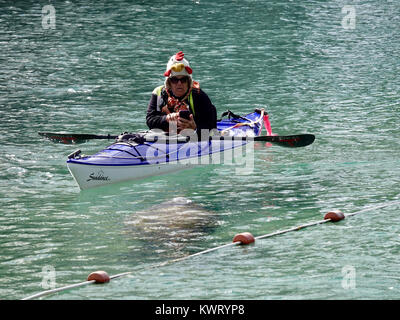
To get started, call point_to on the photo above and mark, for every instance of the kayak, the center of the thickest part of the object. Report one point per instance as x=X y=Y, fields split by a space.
x=152 y=155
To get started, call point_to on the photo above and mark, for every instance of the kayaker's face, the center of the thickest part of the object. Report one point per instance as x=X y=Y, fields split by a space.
x=179 y=85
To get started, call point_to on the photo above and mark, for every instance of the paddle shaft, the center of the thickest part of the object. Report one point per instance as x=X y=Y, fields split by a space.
x=292 y=141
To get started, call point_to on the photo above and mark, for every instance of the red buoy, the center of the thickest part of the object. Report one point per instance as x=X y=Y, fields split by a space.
x=334 y=216
x=244 y=238
x=99 y=277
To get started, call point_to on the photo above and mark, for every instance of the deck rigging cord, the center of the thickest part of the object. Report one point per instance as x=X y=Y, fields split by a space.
x=243 y=238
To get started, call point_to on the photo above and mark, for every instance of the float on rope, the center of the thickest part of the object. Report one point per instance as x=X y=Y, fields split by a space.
x=334 y=216
x=244 y=238
x=99 y=277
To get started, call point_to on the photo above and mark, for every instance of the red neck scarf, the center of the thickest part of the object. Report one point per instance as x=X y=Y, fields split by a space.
x=178 y=104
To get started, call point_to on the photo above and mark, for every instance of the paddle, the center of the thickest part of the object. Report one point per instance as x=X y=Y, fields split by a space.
x=69 y=138
x=293 y=141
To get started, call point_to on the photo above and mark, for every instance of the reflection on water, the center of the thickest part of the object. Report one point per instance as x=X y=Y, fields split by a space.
x=171 y=226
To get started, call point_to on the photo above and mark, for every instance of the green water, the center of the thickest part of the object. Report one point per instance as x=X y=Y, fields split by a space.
x=94 y=73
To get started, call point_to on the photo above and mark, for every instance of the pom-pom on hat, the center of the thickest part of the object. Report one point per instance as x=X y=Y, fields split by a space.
x=178 y=66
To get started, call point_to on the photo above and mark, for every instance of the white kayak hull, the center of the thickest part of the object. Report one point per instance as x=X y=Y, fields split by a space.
x=90 y=176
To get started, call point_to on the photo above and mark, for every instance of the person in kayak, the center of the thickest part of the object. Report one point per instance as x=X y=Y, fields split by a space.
x=180 y=103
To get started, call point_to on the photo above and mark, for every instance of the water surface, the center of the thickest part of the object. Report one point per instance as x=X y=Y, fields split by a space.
x=94 y=73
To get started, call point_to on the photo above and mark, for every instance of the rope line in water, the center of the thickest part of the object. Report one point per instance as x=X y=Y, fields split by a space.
x=243 y=238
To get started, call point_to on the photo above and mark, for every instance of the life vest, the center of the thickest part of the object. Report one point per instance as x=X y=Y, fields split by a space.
x=157 y=91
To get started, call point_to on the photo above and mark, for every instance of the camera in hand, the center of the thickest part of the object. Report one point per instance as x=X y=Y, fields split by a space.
x=185 y=114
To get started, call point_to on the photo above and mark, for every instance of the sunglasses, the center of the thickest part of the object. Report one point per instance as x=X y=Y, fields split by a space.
x=175 y=80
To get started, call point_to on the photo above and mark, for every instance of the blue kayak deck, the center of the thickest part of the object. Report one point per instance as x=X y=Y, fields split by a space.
x=128 y=154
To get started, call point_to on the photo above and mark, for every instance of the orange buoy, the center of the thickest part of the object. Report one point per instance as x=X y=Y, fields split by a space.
x=99 y=277
x=334 y=216
x=244 y=238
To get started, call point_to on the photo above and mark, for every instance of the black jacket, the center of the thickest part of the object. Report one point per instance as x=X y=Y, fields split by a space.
x=205 y=113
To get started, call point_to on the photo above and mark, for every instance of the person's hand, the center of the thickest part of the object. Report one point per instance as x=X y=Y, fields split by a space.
x=173 y=117
x=186 y=124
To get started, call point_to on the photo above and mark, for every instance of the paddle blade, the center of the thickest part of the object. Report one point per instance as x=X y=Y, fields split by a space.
x=71 y=138
x=294 y=141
